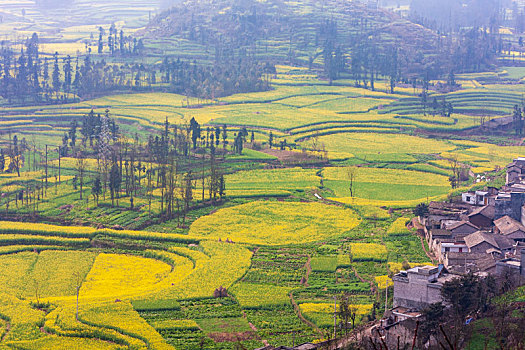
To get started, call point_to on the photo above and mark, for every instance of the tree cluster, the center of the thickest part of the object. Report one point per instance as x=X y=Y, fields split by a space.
x=28 y=77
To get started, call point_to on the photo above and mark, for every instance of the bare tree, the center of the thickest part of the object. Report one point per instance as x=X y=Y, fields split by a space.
x=81 y=165
x=78 y=283
x=36 y=286
x=351 y=175
x=455 y=165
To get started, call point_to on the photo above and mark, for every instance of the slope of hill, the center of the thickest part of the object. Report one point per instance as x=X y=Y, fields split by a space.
x=295 y=32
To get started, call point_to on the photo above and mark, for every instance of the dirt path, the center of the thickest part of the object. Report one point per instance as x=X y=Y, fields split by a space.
x=308 y=270
x=264 y=341
x=300 y=315
x=7 y=329
x=252 y=326
x=372 y=285
x=431 y=257
x=43 y=330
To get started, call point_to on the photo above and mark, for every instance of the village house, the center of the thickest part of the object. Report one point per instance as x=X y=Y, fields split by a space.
x=510 y=228
x=419 y=287
x=441 y=211
x=464 y=262
x=509 y=204
x=480 y=198
x=516 y=171
x=459 y=228
x=489 y=243
x=451 y=247
x=513 y=267
x=482 y=217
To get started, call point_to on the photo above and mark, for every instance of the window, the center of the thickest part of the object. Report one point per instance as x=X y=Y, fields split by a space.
x=468 y=198
x=461 y=250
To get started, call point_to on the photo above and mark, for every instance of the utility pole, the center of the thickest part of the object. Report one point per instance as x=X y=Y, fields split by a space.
x=203 y=165
x=386 y=297
x=46 y=168
x=335 y=316
x=79 y=282
x=78 y=290
x=59 y=151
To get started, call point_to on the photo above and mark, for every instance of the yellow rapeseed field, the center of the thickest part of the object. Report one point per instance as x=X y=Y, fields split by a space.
x=384 y=281
x=361 y=309
x=252 y=295
x=379 y=146
x=55 y=273
x=14 y=268
x=399 y=226
x=368 y=251
x=24 y=319
x=120 y=276
x=62 y=321
x=227 y=263
x=395 y=267
x=276 y=223
x=121 y=317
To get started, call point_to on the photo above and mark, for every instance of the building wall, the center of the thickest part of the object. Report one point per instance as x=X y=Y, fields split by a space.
x=513 y=175
x=463 y=230
x=415 y=292
x=401 y=334
x=481 y=248
x=506 y=270
x=454 y=249
x=511 y=208
x=469 y=198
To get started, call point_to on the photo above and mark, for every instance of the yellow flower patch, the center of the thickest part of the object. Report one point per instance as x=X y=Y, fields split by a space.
x=368 y=251
x=276 y=223
x=119 y=276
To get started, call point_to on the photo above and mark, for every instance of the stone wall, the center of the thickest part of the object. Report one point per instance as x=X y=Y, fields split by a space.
x=510 y=207
x=415 y=293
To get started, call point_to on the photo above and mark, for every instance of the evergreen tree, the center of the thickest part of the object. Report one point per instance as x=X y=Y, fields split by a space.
x=67 y=73
x=100 y=40
x=56 y=75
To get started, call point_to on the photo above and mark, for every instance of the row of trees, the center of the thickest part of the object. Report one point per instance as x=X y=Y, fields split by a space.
x=26 y=77
x=366 y=61
x=118 y=43
x=116 y=165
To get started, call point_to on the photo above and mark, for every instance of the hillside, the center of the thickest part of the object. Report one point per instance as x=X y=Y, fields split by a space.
x=294 y=32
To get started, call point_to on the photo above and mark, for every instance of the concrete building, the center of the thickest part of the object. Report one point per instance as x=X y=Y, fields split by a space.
x=419 y=287
x=478 y=198
x=452 y=247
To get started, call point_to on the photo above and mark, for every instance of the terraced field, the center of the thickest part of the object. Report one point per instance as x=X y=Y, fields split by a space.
x=319 y=212
x=126 y=297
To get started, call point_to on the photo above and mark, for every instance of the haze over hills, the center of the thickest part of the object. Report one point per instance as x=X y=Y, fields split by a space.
x=309 y=32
